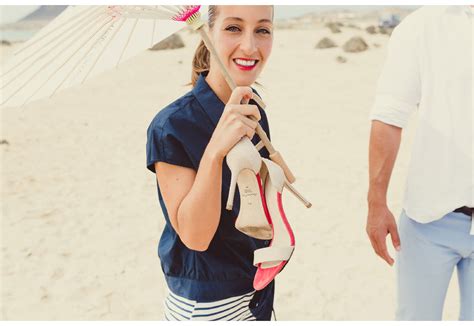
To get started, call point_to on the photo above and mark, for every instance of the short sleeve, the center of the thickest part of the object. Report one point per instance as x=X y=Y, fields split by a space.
x=163 y=145
x=399 y=85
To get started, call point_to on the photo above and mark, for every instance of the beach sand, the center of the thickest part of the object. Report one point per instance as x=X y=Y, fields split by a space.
x=80 y=214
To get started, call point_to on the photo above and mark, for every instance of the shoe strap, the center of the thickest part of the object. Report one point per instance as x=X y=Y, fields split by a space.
x=272 y=254
x=277 y=177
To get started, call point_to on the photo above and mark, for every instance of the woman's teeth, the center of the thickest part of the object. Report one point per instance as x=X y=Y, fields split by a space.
x=246 y=63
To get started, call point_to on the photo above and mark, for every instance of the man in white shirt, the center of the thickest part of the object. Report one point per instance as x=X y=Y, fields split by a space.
x=429 y=68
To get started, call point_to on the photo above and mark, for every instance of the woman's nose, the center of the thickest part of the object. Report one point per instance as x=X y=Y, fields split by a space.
x=248 y=44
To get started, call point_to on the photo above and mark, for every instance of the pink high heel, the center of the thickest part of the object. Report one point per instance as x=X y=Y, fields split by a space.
x=271 y=260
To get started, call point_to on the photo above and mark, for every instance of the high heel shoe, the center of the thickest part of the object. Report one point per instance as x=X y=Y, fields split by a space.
x=245 y=162
x=276 y=158
x=271 y=260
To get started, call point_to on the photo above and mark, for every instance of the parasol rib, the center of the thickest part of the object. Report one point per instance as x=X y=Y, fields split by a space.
x=41 y=68
x=103 y=50
x=153 y=33
x=128 y=41
x=57 y=42
x=67 y=60
x=81 y=60
x=54 y=30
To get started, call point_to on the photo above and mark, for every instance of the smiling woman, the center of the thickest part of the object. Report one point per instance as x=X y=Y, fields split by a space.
x=207 y=262
x=243 y=40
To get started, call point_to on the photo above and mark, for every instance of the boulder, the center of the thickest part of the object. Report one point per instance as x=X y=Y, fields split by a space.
x=341 y=59
x=172 y=42
x=386 y=30
x=355 y=44
x=325 y=43
x=334 y=27
x=371 y=29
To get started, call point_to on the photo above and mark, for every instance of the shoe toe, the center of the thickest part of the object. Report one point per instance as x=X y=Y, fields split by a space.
x=264 y=276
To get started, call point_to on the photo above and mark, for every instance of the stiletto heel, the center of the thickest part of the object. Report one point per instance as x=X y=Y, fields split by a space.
x=297 y=194
x=245 y=162
x=276 y=157
x=233 y=185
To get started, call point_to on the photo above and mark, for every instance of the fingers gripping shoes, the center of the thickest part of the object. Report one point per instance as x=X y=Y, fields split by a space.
x=271 y=260
x=245 y=162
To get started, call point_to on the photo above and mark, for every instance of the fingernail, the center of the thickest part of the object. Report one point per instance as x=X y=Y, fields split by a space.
x=397 y=248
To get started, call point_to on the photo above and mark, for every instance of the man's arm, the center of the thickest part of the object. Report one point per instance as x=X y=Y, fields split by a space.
x=383 y=149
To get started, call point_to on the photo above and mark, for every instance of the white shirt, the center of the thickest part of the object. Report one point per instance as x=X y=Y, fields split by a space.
x=429 y=67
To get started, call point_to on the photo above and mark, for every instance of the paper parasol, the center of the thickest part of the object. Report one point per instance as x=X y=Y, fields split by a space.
x=81 y=42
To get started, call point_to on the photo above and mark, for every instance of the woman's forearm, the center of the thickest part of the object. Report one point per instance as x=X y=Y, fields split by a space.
x=199 y=212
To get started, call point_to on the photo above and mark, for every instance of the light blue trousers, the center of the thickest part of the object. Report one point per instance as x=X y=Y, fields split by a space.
x=429 y=253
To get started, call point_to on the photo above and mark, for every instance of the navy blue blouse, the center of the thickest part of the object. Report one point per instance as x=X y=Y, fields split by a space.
x=178 y=135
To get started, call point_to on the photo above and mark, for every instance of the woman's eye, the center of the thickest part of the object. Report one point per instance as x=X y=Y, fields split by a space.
x=233 y=29
x=263 y=31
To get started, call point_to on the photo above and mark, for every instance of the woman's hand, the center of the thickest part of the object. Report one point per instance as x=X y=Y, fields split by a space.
x=193 y=200
x=235 y=122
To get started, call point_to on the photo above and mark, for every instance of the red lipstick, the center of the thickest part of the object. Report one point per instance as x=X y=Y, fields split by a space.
x=246 y=68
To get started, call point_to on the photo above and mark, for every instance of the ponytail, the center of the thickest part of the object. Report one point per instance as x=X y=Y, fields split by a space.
x=201 y=60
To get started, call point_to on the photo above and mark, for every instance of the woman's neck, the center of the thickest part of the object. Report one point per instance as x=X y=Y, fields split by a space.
x=216 y=81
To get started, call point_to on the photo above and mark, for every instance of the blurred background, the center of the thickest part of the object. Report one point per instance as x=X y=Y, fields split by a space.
x=18 y=23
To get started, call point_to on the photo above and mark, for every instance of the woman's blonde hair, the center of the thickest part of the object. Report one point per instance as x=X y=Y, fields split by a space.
x=201 y=60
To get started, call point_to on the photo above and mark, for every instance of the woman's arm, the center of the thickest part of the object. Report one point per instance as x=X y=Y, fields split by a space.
x=193 y=199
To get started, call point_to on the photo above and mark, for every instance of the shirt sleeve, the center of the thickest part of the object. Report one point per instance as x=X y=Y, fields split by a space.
x=399 y=86
x=163 y=145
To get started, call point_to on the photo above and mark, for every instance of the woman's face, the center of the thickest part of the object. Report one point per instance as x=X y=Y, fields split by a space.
x=243 y=37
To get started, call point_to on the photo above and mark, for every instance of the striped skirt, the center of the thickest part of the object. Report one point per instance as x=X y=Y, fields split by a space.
x=233 y=308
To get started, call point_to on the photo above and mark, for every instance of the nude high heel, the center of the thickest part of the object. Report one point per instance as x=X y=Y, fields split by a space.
x=245 y=162
x=287 y=183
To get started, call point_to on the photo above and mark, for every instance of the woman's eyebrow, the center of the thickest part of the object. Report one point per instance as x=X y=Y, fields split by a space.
x=241 y=20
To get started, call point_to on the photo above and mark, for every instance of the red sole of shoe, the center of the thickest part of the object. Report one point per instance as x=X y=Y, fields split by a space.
x=264 y=201
x=264 y=276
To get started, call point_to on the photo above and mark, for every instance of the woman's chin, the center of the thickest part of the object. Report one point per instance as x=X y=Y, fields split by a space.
x=243 y=81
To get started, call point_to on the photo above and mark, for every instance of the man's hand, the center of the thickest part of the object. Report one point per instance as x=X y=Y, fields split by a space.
x=381 y=222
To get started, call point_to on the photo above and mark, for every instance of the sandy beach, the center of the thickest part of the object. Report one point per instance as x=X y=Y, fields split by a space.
x=80 y=214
